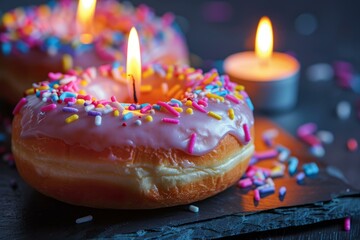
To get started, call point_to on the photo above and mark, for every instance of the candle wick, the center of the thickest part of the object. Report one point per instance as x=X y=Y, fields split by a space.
x=134 y=89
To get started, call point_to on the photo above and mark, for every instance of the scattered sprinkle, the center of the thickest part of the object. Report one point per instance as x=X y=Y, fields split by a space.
x=171 y=120
x=214 y=115
x=72 y=118
x=194 y=208
x=85 y=219
x=347 y=224
x=191 y=144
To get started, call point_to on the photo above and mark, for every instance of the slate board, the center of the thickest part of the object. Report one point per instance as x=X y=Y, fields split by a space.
x=27 y=213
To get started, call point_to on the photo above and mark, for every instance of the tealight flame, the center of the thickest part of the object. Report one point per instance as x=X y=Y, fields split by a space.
x=85 y=15
x=133 y=64
x=264 y=39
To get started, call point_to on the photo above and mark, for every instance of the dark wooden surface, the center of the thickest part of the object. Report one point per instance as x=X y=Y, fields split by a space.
x=337 y=37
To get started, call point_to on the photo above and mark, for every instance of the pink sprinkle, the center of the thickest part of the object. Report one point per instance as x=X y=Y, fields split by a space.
x=250 y=173
x=85 y=97
x=168 y=108
x=198 y=107
x=347 y=224
x=171 y=120
x=246 y=132
x=203 y=103
x=54 y=76
x=233 y=99
x=192 y=143
x=48 y=108
x=256 y=195
x=132 y=107
x=69 y=99
x=113 y=99
x=266 y=154
x=306 y=129
x=18 y=106
x=312 y=140
x=266 y=171
x=145 y=109
x=244 y=183
x=352 y=145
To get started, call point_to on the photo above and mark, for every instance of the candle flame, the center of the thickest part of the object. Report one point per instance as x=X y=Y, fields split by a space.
x=264 y=39
x=85 y=15
x=133 y=64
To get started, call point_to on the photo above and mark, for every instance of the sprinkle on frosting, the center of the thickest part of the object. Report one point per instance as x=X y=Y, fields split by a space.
x=182 y=119
x=51 y=28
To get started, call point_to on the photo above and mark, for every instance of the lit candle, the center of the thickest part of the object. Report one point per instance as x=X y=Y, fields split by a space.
x=133 y=65
x=270 y=78
x=85 y=15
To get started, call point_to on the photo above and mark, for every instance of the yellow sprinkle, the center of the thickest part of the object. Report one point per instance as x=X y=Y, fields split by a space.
x=178 y=109
x=181 y=77
x=211 y=78
x=145 y=88
x=231 y=113
x=56 y=86
x=238 y=96
x=214 y=115
x=169 y=73
x=188 y=103
x=8 y=19
x=82 y=92
x=30 y=91
x=72 y=118
x=190 y=70
x=149 y=118
x=148 y=73
x=67 y=62
x=80 y=102
x=100 y=106
x=173 y=90
x=239 y=87
x=189 y=111
x=211 y=95
x=43 y=88
x=84 y=83
x=116 y=113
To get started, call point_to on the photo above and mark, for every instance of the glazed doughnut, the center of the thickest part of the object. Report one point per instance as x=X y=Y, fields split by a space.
x=41 y=39
x=191 y=138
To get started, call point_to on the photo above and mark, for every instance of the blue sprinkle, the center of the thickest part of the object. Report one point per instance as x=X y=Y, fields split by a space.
x=51 y=85
x=311 y=169
x=221 y=93
x=156 y=107
x=54 y=97
x=67 y=95
x=22 y=47
x=115 y=64
x=250 y=104
x=198 y=91
x=293 y=163
x=176 y=101
x=267 y=189
x=52 y=42
x=127 y=116
x=6 y=48
x=143 y=105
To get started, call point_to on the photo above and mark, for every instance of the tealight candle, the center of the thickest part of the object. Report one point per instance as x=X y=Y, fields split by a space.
x=270 y=76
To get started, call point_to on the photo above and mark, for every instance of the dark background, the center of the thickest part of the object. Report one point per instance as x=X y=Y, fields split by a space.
x=216 y=29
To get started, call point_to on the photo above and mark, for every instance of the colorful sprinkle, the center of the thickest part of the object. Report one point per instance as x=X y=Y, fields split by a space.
x=191 y=144
x=257 y=195
x=98 y=120
x=282 y=191
x=198 y=107
x=168 y=108
x=127 y=116
x=72 y=118
x=347 y=224
x=194 y=208
x=189 y=111
x=214 y=115
x=149 y=118
x=171 y=120
x=19 y=105
x=85 y=219
x=48 y=108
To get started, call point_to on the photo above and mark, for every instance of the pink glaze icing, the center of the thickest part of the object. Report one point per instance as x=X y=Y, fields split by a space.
x=155 y=134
